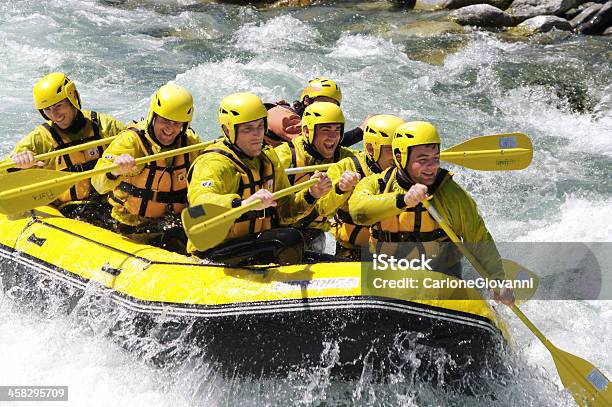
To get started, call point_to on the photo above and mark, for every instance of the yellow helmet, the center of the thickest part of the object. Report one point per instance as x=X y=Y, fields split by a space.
x=54 y=88
x=322 y=113
x=412 y=134
x=322 y=87
x=240 y=108
x=379 y=131
x=172 y=102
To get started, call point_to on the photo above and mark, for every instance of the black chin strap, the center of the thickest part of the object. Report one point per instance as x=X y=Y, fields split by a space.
x=241 y=154
x=373 y=165
x=77 y=123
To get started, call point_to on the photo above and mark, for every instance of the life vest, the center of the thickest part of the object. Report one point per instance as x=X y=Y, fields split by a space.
x=349 y=234
x=298 y=159
x=250 y=182
x=77 y=161
x=158 y=187
x=418 y=233
x=284 y=124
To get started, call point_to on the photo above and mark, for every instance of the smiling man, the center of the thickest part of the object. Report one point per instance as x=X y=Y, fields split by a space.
x=147 y=199
x=239 y=170
x=392 y=203
x=322 y=129
x=58 y=101
x=345 y=174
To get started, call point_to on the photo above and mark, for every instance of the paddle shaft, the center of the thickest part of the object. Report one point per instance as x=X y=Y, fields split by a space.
x=449 y=156
x=236 y=212
x=310 y=168
x=76 y=177
x=63 y=151
x=533 y=328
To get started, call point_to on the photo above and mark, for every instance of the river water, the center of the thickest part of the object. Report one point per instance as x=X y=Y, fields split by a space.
x=414 y=64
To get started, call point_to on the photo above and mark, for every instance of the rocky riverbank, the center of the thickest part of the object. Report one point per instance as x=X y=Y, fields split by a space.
x=580 y=16
x=528 y=16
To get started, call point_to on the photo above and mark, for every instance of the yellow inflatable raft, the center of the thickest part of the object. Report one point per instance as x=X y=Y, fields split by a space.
x=260 y=319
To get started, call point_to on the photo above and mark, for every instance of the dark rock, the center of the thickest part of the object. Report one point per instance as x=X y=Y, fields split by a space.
x=599 y=23
x=482 y=15
x=585 y=15
x=544 y=24
x=524 y=9
x=453 y=4
x=573 y=12
x=404 y=4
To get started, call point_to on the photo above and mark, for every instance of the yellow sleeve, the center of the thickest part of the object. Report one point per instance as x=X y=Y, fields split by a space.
x=284 y=154
x=214 y=180
x=367 y=206
x=109 y=126
x=462 y=214
x=125 y=143
x=329 y=204
x=38 y=142
x=290 y=208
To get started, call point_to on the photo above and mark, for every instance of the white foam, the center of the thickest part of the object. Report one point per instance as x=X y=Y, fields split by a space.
x=578 y=220
x=46 y=352
x=483 y=50
x=364 y=47
x=541 y=115
x=279 y=33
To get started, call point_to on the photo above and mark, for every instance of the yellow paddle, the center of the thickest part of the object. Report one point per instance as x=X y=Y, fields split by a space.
x=67 y=150
x=207 y=225
x=495 y=152
x=517 y=272
x=589 y=386
x=21 y=197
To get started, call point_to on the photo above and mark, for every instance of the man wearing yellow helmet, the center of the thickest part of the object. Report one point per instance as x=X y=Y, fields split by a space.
x=392 y=203
x=345 y=174
x=66 y=124
x=284 y=120
x=146 y=199
x=238 y=170
x=322 y=129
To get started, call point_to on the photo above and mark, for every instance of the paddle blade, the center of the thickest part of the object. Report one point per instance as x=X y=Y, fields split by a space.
x=496 y=152
x=588 y=385
x=206 y=238
x=16 y=203
x=515 y=271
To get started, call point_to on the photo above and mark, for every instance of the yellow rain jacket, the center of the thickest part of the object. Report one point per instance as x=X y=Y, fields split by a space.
x=165 y=175
x=335 y=203
x=368 y=205
x=49 y=137
x=299 y=153
x=222 y=171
